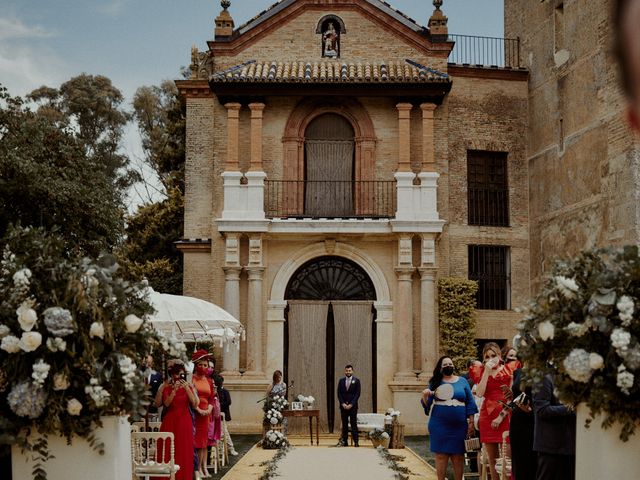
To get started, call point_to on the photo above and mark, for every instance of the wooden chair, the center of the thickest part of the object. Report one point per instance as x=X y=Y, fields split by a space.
x=153 y=455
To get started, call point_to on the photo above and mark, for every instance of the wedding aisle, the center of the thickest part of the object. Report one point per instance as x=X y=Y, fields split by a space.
x=323 y=462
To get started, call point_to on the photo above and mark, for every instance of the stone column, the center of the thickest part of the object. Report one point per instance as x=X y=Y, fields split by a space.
x=404 y=136
x=255 y=329
x=233 y=124
x=403 y=321
x=256 y=136
x=428 y=137
x=232 y=269
x=429 y=321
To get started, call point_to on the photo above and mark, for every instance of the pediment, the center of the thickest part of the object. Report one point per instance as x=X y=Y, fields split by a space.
x=278 y=16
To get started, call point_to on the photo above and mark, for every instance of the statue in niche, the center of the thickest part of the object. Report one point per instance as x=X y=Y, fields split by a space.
x=331 y=42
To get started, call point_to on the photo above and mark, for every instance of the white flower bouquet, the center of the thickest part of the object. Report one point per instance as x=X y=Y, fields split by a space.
x=273 y=416
x=307 y=400
x=274 y=439
x=584 y=328
x=71 y=332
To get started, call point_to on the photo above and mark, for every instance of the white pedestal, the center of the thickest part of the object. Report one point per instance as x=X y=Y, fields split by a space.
x=601 y=454
x=79 y=461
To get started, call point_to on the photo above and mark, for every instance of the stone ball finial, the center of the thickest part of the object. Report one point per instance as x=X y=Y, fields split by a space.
x=437 y=4
x=227 y=3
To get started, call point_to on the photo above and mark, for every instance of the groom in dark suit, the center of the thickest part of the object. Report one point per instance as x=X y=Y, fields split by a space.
x=348 y=395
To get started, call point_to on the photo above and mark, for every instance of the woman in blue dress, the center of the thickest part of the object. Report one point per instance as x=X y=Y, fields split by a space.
x=451 y=419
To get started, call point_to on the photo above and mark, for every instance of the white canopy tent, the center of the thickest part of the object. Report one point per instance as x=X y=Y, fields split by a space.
x=191 y=319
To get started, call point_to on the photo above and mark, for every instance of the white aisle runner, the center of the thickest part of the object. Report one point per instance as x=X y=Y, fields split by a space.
x=318 y=463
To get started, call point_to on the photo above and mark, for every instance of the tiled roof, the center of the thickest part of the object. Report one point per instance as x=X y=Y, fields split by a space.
x=282 y=4
x=330 y=71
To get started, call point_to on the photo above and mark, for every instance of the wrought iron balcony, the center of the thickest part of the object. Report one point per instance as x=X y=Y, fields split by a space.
x=485 y=51
x=330 y=199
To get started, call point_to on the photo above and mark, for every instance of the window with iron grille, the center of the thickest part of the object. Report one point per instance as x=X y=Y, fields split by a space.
x=487 y=187
x=490 y=266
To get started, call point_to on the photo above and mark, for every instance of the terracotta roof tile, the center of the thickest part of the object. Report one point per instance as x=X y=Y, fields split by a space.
x=330 y=71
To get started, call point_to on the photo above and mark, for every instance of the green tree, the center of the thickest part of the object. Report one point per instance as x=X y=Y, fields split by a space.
x=47 y=179
x=456 y=304
x=149 y=249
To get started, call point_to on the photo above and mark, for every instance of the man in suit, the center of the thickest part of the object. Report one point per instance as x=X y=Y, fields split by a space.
x=152 y=378
x=554 y=435
x=348 y=395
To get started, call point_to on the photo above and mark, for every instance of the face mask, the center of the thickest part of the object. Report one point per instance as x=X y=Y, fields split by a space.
x=447 y=371
x=201 y=370
x=209 y=371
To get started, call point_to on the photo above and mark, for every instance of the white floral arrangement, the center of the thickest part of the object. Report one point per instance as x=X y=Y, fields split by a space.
x=308 y=400
x=274 y=439
x=278 y=402
x=378 y=434
x=391 y=415
x=584 y=328
x=273 y=416
x=71 y=331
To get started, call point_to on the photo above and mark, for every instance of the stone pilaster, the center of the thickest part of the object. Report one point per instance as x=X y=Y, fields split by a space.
x=428 y=137
x=255 y=270
x=232 y=271
x=233 y=147
x=403 y=322
x=257 y=110
x=404 y=137
x=429 y=323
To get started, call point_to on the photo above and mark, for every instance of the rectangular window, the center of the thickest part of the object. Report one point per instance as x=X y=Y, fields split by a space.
x=487 y=188
x=490 y=266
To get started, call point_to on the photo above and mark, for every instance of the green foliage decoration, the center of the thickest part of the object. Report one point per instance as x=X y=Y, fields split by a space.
x=583 y=328
x=456 y=304
x=71 y=332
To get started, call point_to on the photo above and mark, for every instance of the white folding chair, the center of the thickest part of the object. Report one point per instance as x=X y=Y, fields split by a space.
x=503 y=464
x=142 y=426
x=153 y=455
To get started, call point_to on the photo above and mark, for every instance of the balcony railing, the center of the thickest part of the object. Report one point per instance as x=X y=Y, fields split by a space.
x=488 y=207
x=330 y=199
x=485 y=51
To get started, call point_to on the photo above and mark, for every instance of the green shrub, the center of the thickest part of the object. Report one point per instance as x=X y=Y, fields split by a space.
x=457 y=303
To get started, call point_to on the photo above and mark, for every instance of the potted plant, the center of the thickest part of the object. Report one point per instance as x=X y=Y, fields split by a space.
x=71 y=332
x=584 y=328
x=379 y=438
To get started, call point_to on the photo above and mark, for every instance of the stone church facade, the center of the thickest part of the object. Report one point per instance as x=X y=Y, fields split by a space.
x=337 y=166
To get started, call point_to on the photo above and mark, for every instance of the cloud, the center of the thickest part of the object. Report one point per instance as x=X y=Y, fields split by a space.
x=113 y=7
x=12 y=28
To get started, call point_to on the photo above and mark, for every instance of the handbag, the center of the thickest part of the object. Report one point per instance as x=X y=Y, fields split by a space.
x=472 y=444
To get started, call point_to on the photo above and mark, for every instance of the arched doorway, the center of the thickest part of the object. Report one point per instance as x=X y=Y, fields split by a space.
x=329 y=167
x=330 y=323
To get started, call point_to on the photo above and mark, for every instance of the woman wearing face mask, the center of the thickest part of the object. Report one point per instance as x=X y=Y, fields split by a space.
x=451 y=419
x=177 y=395
x=493 y=378
x=206 y=395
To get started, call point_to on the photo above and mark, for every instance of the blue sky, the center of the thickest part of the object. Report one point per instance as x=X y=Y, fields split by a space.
x=142 y=42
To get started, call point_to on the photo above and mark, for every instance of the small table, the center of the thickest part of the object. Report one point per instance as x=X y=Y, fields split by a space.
x=310 y=414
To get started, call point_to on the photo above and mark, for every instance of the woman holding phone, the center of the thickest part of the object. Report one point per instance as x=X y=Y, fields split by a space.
x=491 y=378
x=177 y=397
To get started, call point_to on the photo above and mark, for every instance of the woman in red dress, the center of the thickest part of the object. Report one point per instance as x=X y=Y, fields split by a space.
x=177 y=397
x=491 y=379
x=206 y=396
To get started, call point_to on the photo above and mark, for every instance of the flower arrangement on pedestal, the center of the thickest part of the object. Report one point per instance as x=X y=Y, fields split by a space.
x=584 y=328
x=379 y=437
x=71 y=332
x=306 y=400
x=273 y=406
x=273 y=417
x=274 y=439
x=391 y=415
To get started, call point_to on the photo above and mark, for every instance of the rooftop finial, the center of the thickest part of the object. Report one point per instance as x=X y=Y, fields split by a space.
x=437 y=4
x=224 y=22
x=227 y=3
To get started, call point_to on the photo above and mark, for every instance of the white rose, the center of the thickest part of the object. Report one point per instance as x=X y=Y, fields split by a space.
x=21 y=277
x=567 y=286
x=132 y=323
x=596 y=362
x=96 y=330
x=74 y=407
x=60 y=382
x=546 y=330
x=620 y=339
x=274 y=421
x=10 y=344
x=4 y=331
x=30 y=341
x=26 y=316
